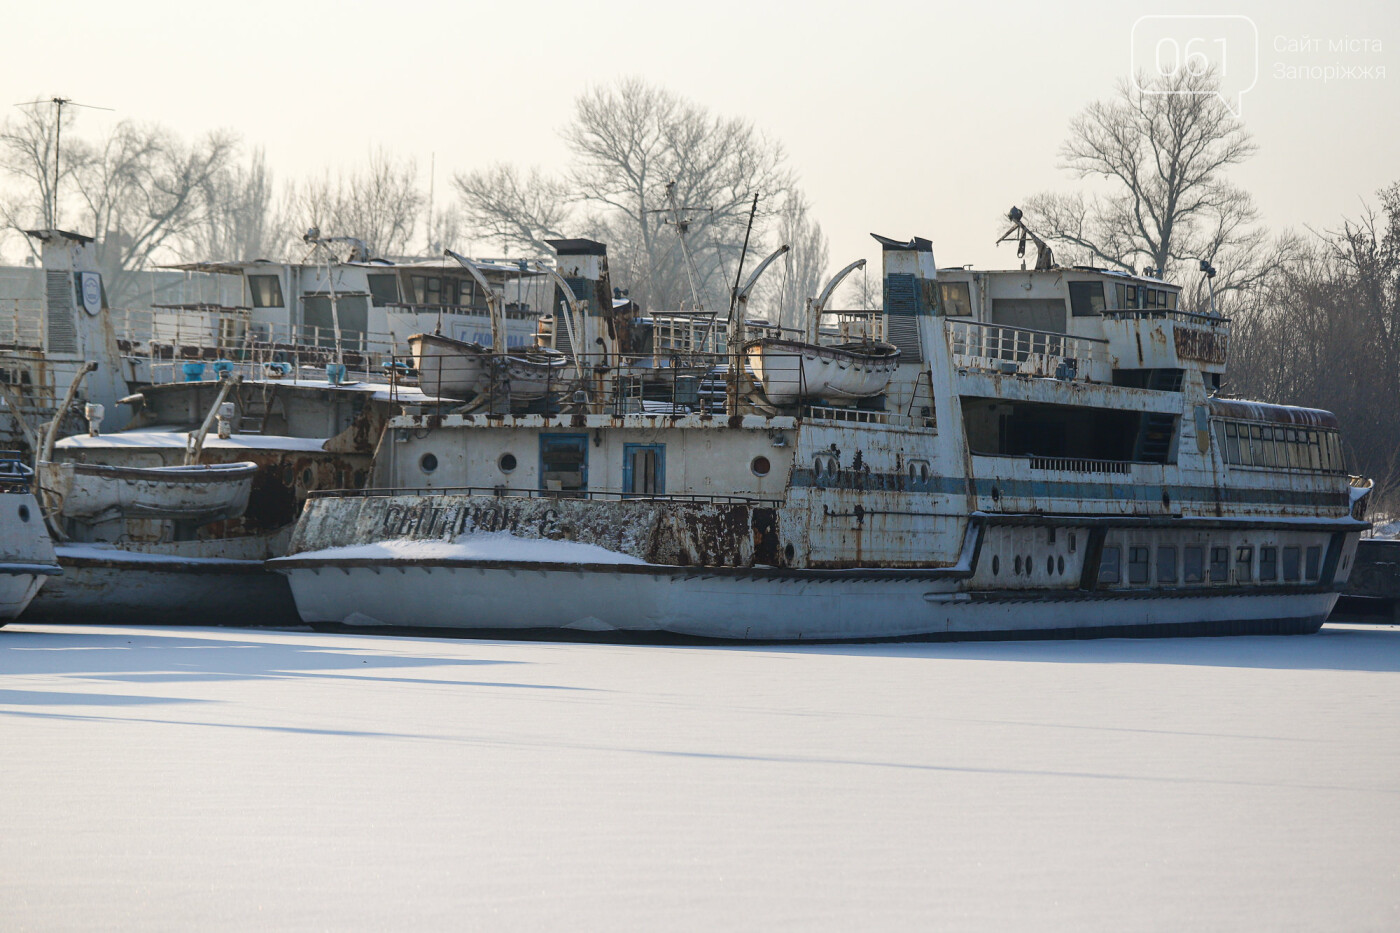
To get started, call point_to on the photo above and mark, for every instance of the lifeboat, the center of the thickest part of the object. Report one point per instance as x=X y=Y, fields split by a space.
x=460 y=369
x=92 y=493
x=790 y=371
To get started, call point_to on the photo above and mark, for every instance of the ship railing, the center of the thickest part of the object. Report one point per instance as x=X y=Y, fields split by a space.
x=22 y=324
x=508 y=492
x=1214 y=321
x=853 y=415
x=1001 y=348
x=686 y=332
x=267 y=351
x=1080 y=465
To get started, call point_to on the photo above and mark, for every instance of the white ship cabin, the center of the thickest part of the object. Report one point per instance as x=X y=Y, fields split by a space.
x=377 y=305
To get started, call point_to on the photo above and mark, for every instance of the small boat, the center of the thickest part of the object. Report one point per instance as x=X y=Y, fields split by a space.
x=91 y=492
x=459 y=369
x=793 y=370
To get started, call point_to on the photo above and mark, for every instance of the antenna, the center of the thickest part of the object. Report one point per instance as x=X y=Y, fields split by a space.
x=59 y=103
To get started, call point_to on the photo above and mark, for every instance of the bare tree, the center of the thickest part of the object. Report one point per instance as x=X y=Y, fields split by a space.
x=1163 y=154
x=27 y=155
x=628 y=141
x=801 y=275
x=1325 y=331
x=379 y=204
x=238 y=218
x=518 y=211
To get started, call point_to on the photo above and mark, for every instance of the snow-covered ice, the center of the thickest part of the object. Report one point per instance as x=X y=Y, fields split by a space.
x=222 y=779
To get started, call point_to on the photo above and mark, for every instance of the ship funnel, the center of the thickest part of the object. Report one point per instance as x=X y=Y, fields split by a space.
x=910 y=292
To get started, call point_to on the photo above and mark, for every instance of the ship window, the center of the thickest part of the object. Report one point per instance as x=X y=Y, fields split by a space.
x=1219 y=564
x=1268 y=563
x=1171 y=300
x=1193 y=564
x=1166 y=565
x=1132 y=297
x=1086 y=298
x=434 y=290
x=1314 y=451
x=428 y=463
x=384 y=288
x=1137 y=565
x=1108 y=566
x=1292 y=569
x=1244 y=564
x=1232 y=443
x=1314 y=562
x=506 y=463
x=266 y=291
x=760 y=466
x=996 y=565
x=956 y=298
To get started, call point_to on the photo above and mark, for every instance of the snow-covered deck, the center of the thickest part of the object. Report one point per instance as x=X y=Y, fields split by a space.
x=224 y=779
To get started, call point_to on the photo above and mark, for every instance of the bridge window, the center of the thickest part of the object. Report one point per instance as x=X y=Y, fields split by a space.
x=1268 y=563
x=1292 y=565
x=955 y=299
x=384 y=288
x=1086 y=298
x=266 y=291
x=1137 y=565
x=1244 y=564
x=1166 y=565
x=1193 y=565
x=1314 y=562
x=1219 y=565
x=1108 y=566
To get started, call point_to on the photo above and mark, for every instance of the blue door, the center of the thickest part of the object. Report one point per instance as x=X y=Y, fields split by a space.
x=644 y=469
x=564 y=462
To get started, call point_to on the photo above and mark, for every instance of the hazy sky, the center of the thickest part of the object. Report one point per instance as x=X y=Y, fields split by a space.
x=900 y=118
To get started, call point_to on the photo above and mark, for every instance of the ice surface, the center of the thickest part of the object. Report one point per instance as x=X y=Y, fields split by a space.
x=214 y=779
x=497 y=545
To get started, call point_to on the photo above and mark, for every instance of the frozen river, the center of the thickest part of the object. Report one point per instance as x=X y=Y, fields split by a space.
x=161 y=778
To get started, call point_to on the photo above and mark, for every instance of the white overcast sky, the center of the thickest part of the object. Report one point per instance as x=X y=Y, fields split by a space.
x=900 y=118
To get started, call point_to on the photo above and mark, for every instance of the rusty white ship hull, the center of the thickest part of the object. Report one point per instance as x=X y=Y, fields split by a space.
x=91 y=492
x=26 y=553
x=791 y=370
x=458 y=369
x=483 y=563
x=181 y=582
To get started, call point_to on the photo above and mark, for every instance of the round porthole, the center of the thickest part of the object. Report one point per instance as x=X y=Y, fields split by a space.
x=760 y=466
x=788 y=552
x=23 y=512
x=306 y=477
x=996 y=565
x=427 y=463
x=1018 y=565
x=1049 y=565
x=506 y=463
x=1060 y=562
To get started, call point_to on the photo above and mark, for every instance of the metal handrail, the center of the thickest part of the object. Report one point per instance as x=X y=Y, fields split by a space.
x=1185 y=317
x=501 y=492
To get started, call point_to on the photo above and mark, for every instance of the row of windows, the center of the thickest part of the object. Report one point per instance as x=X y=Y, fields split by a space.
x=1298 y=564
x=1140 y=296
x=1085 y=298
x=1245 y=443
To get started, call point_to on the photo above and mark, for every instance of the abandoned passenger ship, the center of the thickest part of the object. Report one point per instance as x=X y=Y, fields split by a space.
x=1049 y=455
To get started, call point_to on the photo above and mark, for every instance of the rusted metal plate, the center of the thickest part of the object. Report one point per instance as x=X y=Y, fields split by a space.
x=1207 y=346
